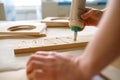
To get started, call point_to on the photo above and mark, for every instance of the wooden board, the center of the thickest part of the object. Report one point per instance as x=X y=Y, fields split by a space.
x=47 y=44
x=37 y=31
x=56 y=21
x=116 y=63
x=100 y=77
x=14 y=36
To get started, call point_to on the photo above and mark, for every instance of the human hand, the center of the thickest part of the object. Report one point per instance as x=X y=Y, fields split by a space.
x=91 y=17
x=54 y=66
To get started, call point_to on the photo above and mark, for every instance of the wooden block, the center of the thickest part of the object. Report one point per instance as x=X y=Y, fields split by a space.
x=13 y=29
x=100 y=77
x=116 y=63
x=48 y=44
x=17 y=36
x=56 y=21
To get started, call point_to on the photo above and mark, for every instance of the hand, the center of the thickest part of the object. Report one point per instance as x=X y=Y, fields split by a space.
x=54 y=66
x=91 y=17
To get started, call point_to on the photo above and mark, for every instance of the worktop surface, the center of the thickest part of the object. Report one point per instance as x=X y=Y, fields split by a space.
x=12 y=67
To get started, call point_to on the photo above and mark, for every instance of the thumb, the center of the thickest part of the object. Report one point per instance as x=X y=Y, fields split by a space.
x=86 y=15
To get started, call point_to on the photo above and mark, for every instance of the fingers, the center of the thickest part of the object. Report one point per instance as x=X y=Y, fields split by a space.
x=40 y=62
x=87 y=11
x=35 y=65
x=40 y=66
x=92 y=17
x=87 y=15
x=42 y=56
x=45 y=53
x=88 y=8
x=36 y=75
x=40 y=75
x=42 y=53
x=94 y=14
x=51 y=66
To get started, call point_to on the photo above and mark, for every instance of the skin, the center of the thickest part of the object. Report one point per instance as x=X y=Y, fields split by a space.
x=100 y=52
x=92 y=16
x=53 y=66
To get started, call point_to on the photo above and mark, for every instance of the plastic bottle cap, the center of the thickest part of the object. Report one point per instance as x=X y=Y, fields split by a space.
x=75 y=28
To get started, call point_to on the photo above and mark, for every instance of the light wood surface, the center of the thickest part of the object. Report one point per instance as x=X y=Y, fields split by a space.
x=21 y=75
x=116 y=63
x=20 y=30
x=48 y=44
x=14 y=65
x=56 y=21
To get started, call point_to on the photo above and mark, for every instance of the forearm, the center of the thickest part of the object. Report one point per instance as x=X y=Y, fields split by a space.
x=104 y=48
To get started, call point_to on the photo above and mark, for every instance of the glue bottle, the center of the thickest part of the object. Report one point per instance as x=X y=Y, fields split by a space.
x=76 y=23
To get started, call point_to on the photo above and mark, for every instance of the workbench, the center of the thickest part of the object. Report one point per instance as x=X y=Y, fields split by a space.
x=12 y=67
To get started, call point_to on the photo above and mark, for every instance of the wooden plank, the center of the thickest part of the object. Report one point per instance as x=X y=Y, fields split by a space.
x=5 y=28
x=47 y=44
x=56 y=21
x=17 y=36
x=116 y=63
x=103 y=77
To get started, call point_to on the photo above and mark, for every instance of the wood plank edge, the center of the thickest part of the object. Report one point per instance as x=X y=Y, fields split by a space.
x=49 y=48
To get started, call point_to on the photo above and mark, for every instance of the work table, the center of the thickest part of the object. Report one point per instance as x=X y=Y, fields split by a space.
x=12 y=67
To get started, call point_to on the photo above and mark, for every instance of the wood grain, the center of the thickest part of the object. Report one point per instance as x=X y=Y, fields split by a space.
x=116 y=63
x=56 y=21
x=48 y=44
x=21 y=75
x=39 y=30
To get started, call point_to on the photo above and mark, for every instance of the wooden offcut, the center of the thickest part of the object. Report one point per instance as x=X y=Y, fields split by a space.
x=49 y=44
x=56 y=21
x=15 y=29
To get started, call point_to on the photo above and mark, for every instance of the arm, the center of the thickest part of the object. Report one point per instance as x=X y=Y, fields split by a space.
x=105 y=47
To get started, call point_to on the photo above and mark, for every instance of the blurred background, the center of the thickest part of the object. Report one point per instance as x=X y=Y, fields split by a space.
x=15 y=10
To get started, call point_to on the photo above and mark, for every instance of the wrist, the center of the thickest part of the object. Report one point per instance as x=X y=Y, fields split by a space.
x=86 y=68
